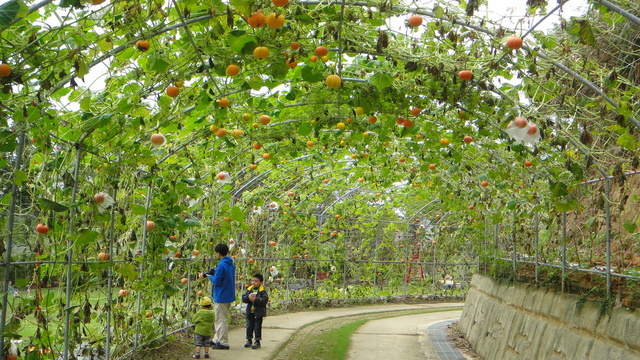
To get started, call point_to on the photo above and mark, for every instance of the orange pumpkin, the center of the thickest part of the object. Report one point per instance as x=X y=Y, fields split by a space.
x=465 y=75
x=274 y=21
x=333 y=81
x=292 y=62
x=233 y=70
x=257 y=19
x=261 y=52
x=415 y=21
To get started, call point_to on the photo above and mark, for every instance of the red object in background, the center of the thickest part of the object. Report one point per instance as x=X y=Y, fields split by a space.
x=322 y=275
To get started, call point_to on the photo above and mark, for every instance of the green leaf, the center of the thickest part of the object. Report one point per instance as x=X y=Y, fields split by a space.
x=97 y=122
x=51 y=205
x=630 y=227
x=627 y=141
x=305 y=128
x=558 y=189
x=20 y=177
x=237 y=214
x=12 y=10
x=582 y=31
x=564 y=205
x=8 y=142
x=128 y=271
x=138 y=209
x=376 y=22
x=241 y=43
x=82 y=70
x=170 y=290
x=85 y=236
x=242 y=6
x=6 y=199
x=438 y=12
x=192 y=222
x=310 y=75
x=157 y=64
x=381 y=80
x=255 y=82
x=69 y=3
x=291 y=95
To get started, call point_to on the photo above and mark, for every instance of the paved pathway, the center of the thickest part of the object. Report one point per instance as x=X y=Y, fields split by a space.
x=403 y=337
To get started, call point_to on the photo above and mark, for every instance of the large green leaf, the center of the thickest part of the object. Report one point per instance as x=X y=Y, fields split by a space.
x=582 y=31
x=310 y=75
x=12 y=10
x=240 y=42
x=242 y=6
x=20 y=177
x=157 y=64
x=631 y=227
x=96 y=122
x=305 y=128
x=128 y=271
x=567 y=204
x=138 y=209
x=381 y=80
x=627 y=141
x=237 y=214
x=85 y=236
x=52 y=205
x=170 y=290
x=8 y=141
x=69 y=3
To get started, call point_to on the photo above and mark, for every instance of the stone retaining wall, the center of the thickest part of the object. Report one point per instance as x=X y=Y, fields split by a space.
x=513 y=321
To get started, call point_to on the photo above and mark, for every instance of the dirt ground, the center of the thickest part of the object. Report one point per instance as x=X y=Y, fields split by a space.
x=459 y=341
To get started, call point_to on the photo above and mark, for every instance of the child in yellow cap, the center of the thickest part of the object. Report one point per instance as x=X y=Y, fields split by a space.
x=203 y=320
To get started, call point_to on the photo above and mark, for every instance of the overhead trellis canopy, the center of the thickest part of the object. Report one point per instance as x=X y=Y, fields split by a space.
x=198 y=115
x=100 y=77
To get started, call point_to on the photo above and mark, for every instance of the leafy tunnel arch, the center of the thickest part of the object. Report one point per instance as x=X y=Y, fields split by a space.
x=64 y=141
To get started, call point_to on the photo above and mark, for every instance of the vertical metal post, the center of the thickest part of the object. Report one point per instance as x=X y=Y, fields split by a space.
x=435 y=267
x=110 y=274
x=266 y=238
x=495 y=242
x=286 y=281
x=72 y=218
x=376 y=278
x=486 y=245
x=189 y=274
x=9 y=240
x=164 y=310
x=143 y=254
x=564 y=249
x=536 y=221
x=514 y=257
x=344 y=270
x=607 y=209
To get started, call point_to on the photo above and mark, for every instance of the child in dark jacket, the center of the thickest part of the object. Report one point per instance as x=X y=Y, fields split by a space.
x=256 y=299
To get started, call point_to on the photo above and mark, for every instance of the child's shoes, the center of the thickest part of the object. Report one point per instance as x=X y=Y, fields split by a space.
x=197 y=356
x=206 y=356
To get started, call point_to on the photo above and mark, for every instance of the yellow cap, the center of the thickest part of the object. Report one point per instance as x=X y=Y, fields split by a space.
x=206 y=301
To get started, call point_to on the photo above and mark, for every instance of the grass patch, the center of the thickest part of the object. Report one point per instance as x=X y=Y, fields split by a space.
x=329 y=339
x=334 y=344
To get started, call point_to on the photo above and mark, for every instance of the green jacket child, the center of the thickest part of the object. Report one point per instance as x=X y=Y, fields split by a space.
x=203 y=319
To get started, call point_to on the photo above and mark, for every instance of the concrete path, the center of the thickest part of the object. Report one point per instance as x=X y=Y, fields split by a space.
x=403 y=337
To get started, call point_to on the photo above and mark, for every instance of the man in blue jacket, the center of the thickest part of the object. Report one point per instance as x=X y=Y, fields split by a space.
x=224 y=293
